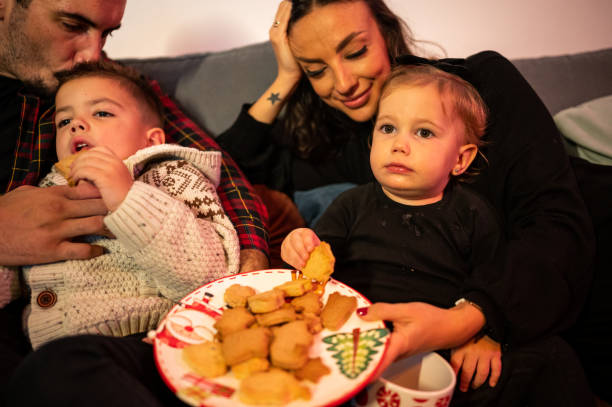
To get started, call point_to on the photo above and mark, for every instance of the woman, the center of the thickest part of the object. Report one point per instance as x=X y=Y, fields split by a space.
x=333 y=57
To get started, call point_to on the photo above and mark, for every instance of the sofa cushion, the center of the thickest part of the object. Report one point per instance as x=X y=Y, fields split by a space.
x=568 y=80
x=214 y=92
x=587 y=129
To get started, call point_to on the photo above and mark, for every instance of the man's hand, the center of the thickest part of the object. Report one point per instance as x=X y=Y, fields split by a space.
x=37 y=224
x=252 y=259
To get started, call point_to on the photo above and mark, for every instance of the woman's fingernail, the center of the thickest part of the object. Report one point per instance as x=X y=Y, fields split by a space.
x=362 y=311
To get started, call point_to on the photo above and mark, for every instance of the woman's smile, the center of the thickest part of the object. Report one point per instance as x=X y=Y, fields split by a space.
x=357 y=101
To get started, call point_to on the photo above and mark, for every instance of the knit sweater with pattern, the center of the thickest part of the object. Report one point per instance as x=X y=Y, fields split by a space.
x=172 y=236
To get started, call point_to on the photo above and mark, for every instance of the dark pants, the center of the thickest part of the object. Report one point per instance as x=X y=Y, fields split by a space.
x=591 y=336
x=103 y=371
x=90 y=371
x=14 y=346
x=543 y=373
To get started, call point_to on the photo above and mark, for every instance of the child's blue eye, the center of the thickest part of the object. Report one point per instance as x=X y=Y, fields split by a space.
x=63 y=123
x=103 y=114
x=424 y=133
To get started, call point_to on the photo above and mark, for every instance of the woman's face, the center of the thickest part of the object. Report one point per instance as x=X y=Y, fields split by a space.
x=344 y=56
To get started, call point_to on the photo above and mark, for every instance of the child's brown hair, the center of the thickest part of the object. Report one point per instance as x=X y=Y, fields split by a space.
x=132 y=81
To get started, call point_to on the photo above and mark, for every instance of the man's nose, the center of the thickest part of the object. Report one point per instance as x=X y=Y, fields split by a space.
x=90 y=49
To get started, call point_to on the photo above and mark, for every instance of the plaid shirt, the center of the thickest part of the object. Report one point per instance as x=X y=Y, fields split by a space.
x=35 y=154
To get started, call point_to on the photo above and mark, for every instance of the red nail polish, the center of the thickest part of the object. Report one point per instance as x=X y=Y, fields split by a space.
x=362 y=311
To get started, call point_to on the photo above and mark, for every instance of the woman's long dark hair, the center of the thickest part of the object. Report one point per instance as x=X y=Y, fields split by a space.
x=314 y=127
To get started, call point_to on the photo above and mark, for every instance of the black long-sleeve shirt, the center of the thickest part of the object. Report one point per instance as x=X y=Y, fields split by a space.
x=435 y=253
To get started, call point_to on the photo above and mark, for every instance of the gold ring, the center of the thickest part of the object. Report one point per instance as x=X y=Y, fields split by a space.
x=276 y=24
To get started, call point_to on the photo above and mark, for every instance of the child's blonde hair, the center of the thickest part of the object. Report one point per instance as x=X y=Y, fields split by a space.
x=463 y=98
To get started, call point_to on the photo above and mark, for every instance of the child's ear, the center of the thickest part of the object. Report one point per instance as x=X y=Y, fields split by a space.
x=155 y=136
x=466 y=155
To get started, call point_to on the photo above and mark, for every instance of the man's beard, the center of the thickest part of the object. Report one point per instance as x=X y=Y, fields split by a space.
x=24 y=59
x=37 y=86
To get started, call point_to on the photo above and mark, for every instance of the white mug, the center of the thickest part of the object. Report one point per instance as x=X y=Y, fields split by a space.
x=423 y=380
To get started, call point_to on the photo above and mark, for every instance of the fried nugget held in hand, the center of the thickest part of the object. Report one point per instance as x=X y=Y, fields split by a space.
x=63 y=167
x=320 y=264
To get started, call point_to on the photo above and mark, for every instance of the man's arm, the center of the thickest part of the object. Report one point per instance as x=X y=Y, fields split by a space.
x=245 y=209
x=37 y=225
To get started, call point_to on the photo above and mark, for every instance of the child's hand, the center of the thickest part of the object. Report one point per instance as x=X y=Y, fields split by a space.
x=106 y=171
x=297 y=246
x=482 y=356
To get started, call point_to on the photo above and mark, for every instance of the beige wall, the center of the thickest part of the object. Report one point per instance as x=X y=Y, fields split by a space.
x=516 y=28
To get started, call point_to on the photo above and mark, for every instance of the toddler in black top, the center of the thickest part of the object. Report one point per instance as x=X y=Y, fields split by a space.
x=416 y=234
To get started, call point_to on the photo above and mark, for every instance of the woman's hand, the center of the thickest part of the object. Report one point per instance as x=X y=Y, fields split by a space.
x=106 y=171
x=296 y=247
x=271 y=102
x=477 y=360
x=288 y=68
x=420 y=327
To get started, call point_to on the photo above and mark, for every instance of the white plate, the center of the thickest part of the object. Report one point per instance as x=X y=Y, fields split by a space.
x=353 y=353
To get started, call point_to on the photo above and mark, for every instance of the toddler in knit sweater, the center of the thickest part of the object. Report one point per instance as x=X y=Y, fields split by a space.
x=171 y=234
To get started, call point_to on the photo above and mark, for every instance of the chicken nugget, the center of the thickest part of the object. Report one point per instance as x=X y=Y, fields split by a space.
x=290 y=345
x=250 y=366
x=274 y=387
x=63 y=167
x=267 y=301
x=312 y=371
x=280 y=316
x=206 y=359
x=313 y=322
x=320 y=264
x=295 y=288
x=337 y=310
x=233 y=320
x=236 y=295
x=309 y=302
x=250 y=343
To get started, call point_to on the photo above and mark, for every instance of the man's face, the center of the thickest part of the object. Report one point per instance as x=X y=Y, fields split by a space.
x=53 y=35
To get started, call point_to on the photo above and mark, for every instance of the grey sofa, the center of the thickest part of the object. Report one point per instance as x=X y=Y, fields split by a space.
x=211 y=87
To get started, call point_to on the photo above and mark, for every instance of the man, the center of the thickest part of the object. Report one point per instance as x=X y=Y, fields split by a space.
x=37 y=39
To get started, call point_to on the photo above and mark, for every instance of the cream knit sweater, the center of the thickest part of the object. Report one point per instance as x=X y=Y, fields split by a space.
x=172 y=236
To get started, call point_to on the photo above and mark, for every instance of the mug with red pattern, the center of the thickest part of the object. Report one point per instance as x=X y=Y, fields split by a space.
x=424 y=380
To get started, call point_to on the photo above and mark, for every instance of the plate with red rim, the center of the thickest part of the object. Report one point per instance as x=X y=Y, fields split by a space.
x=352 y=353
